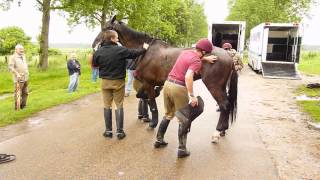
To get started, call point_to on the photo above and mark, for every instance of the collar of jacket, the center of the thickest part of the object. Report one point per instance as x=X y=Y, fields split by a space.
x=108 y=43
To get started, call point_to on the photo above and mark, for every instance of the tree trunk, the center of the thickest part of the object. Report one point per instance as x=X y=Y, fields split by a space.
x=103 y=15
x=44 y=39
x=103 y=20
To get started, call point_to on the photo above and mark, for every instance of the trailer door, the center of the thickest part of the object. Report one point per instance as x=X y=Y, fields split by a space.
x=241 y=37
x=276 y=69
x=264 y=45
x=295 y=46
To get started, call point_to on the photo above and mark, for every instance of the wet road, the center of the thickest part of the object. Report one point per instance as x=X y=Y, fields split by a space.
x=66 y=142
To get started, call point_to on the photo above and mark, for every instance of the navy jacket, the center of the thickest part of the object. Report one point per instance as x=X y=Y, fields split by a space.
x=73 y=67
x=111 y=60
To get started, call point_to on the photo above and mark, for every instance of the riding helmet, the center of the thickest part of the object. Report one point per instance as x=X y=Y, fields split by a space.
x=204 y=45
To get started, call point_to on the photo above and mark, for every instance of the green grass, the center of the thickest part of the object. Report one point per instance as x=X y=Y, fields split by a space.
x=312 y=108
x=310 y=62
x=310 y=65
x=47 y=88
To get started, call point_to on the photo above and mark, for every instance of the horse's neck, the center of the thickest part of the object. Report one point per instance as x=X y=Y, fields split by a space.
x=133 y=39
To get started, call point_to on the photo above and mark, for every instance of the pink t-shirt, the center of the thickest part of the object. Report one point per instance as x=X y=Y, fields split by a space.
x=188 y=59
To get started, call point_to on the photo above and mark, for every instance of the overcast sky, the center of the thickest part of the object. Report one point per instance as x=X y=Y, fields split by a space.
x=28 y=18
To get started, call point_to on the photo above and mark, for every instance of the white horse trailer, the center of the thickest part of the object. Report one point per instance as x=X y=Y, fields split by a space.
x=274 y=49
x=232 y=32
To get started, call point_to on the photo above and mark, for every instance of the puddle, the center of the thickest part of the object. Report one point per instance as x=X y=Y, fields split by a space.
x=35 y=121
x=306 y=98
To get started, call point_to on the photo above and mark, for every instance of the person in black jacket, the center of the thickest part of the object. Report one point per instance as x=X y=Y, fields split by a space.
x=73 y=66
x=111 y=60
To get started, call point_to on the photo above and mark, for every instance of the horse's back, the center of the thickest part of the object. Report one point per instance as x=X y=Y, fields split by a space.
x=217 y=74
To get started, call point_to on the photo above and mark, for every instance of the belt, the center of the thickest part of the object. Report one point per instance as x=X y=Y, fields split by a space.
x=176 y=82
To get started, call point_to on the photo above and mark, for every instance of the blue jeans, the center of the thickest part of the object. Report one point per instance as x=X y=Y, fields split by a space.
x=95 y=73
x=130 y=80
x=73 y=83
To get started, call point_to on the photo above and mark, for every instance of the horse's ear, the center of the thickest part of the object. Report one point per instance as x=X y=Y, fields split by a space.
x=113 y=18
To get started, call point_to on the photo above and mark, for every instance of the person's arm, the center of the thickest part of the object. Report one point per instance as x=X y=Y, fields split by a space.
x=189 y=84
x=78 y=67
x=133 y=53
x=210 y=59
x=11 y=67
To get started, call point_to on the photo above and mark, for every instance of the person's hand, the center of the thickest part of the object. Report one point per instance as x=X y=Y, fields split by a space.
x=145 y=46
x=193 y=101
x=211 y=58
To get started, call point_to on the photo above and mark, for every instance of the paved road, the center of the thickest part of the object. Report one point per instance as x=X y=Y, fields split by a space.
x=66 y=142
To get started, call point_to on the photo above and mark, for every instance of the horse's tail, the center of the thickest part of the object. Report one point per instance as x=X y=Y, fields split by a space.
x=232 y=95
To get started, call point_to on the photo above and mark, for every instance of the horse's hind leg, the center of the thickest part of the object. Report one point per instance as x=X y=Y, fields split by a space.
x=221 y=97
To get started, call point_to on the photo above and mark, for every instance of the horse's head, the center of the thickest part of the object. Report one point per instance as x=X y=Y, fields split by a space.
x=127 y=36
x=110 y=25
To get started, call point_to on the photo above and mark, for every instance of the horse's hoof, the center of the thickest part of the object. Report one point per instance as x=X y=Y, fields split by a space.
x=223 y=133
x=215 y=139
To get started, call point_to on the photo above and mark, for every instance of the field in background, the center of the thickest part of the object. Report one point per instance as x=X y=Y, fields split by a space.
x=47 y=88
x=310 y=62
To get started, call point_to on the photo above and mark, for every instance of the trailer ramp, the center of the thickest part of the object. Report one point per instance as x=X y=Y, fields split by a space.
x=280 y=70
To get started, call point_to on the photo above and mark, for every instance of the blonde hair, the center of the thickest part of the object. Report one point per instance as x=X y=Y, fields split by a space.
x=73 y=55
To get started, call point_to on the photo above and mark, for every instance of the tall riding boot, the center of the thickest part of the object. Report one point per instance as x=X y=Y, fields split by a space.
x=145 y=113
x=108 y=123
x=182 y=150
x=140 y=112
x=160 y=135
x=119 y=121
x=154 y=111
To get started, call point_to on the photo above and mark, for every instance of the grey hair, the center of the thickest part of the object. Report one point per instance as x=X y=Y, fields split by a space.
x=18 y=46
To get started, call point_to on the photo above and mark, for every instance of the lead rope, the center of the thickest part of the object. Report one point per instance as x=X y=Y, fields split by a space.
x=4 y=158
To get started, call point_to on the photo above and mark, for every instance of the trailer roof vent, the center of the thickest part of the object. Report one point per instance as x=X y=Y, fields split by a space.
x=296 y=24
x=267 y=23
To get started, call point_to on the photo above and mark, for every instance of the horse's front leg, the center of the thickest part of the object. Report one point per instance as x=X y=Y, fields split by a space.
x=223 y=124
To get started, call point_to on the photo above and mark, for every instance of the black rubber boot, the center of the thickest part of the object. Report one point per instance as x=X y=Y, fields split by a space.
x=108 y=123
x=119 y=121
x=154 y=111
x=145 y=113
x=182 y=150
x=140 y=113
x=160 y=135
x=222 y=133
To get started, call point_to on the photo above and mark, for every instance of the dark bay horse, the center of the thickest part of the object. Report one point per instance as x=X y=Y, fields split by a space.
x=154 y=66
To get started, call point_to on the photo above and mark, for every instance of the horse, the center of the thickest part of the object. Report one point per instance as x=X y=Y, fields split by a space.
x=153 y=67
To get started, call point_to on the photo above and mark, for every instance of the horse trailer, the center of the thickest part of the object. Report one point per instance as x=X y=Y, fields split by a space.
x=274 y=50
x=232 y=32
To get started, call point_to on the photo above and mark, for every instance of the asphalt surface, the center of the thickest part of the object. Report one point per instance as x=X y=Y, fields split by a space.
x=66 y=142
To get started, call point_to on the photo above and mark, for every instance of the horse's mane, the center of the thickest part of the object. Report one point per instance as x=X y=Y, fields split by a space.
x=141 y=36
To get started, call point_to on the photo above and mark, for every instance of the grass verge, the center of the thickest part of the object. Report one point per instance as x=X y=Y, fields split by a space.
x=46 y=88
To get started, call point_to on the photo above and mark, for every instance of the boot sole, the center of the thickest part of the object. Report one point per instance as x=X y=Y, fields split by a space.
x=183 y=155
x=157 y=146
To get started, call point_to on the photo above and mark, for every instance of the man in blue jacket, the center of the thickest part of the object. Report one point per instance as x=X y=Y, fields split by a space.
x=73 y=66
